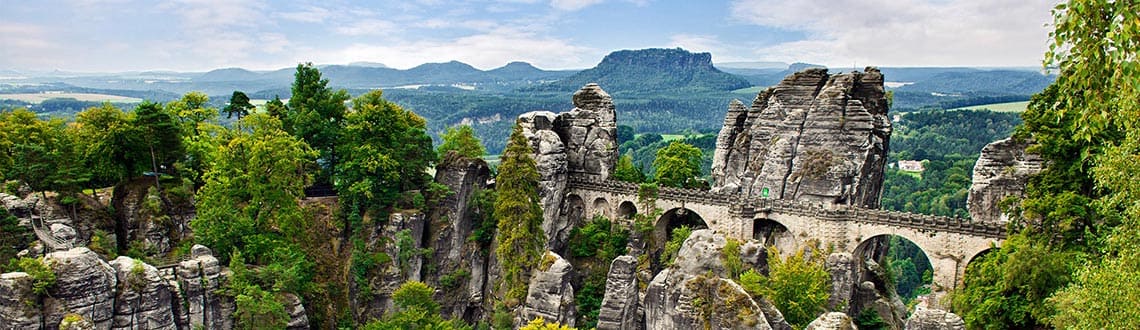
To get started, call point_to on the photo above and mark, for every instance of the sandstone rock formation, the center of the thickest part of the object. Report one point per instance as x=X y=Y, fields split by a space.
x=844 y=273
x=619 y=308
x=550 y=295
x=934 y=319
x=143 y=299
x=815 y=136
x=297 y=318
x=1002 y=170
x=85 y=285
x=200 y=277
x=832 y=321
x=18 y=309
x=406 y=226
x=685 y=296
x=581 y=141
x=460 y=262
x=142 y=214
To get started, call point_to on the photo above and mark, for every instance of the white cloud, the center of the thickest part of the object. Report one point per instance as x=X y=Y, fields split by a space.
x=484 y=50
x=904 y=32
x=307 y=15
x=572 y=5
x=26 y=45
x=365 y=27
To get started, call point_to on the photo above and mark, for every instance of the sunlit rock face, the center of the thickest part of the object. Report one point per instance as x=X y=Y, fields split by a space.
x=815 y=136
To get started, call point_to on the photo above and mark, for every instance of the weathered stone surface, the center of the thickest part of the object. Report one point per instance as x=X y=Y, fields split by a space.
x=297 y=317
x=815 y=137
x=143 y=299
x=934 y=319
x=150 y=219
x=832 y=321
x=18 y=302
x=684 y=296
x=386 y=236
x=844 y=272
x=199 y=278
x=619 y=305
x=85 y=285
x=550 y=159
x=550 y=295
x=63 y=232
x=589 y=132
x=1002 y=170
x=873 y=293
x=453 y=221
x=76 y=322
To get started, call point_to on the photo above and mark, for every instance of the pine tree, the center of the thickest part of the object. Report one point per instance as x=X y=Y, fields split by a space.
x=521 y=238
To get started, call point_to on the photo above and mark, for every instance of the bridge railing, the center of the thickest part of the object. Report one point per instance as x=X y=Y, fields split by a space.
x=44 y=234
x=921 y=222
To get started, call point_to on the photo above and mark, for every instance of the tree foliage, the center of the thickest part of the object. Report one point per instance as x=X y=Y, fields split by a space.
x=385 y=151
x=678 y=165
x=521 y=238
x=315 y=114
x=799 y=286
x=463 y=141
x=415 y=309
x=239 y=105
x=626 y=171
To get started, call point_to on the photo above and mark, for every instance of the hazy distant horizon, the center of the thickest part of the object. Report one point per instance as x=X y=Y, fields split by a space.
x=201 y=35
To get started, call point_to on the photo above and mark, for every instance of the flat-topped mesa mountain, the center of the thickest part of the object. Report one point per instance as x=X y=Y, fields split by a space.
x=652 y=70
x=815 y=137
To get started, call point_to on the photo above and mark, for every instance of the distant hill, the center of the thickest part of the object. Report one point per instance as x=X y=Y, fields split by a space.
x=652 y=70
x=978 y=81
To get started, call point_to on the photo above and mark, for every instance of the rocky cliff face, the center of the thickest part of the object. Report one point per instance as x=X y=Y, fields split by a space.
x=549 y=294
x=1002 y=170
x=125 y=294
x=934 y=319
x=695 y=292
x=580 y=141
x=620 y=306
x=815 y=136
x=460 y=262
x=148 y=219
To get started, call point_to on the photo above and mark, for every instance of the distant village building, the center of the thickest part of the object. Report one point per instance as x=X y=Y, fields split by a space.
x=911 y=166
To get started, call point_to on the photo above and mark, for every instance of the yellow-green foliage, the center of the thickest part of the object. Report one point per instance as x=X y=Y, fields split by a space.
x=541 y=324
x=730 y=256
x=674 y=244
x=799 y=286
x=43 y=277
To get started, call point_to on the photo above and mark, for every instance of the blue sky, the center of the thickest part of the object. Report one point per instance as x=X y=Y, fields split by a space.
x=199 y=35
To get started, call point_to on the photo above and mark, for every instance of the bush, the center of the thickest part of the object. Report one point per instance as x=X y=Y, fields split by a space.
x=43 y=277
x=677 y=238
x=799 y=285
x=598 y=239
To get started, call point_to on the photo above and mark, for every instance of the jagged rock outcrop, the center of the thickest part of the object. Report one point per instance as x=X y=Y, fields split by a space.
x=874 y=293
x=156 y=220
x=589 y=132
x=143 y=299
x=844 y=272
x=550 y=160
x=934 y=319
x=815 y=136
x=200 y=277
x=460 y=262
x=832 y=321
x=85 y=285
x=403 y=230
x=619 y=308
x=583 y=141
x=550 y=295
x=1002 y=170
x=18 y=307
x=685 y=296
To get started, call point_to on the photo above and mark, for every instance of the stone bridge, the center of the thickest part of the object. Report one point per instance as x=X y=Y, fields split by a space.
x=949 y=243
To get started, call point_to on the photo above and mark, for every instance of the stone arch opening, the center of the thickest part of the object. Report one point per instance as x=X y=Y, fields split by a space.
x=574 y=209
x=673 y=219
x=601 y=207
x=626 y=210
x=773 y=233
x=901 y=258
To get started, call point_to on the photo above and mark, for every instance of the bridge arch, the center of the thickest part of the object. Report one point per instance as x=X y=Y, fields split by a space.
x=574 y=209
x=601 y=207
x=773 y=233
x=626 y=210
x=909 y=274
x=675 y=218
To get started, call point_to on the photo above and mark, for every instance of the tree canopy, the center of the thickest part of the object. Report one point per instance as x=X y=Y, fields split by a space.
x=462 y=140
x=678 y=165
x=521 y=238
